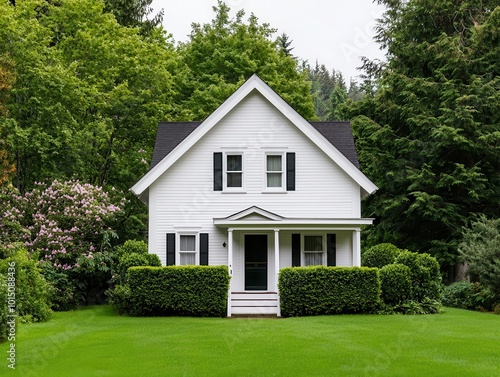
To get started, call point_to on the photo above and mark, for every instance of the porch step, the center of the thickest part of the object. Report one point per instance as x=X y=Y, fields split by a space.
x=256 y=303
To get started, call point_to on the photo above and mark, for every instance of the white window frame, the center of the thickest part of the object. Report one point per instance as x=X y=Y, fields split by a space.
x=178 y=251
x=282 y=188
x=304 y=252
x=225 y=172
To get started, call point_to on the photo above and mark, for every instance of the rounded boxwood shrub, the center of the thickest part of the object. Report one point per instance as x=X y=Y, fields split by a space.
x=134 y=260
x=380 y=255
x=396 y=285
x=425 y=275
x=129 y=247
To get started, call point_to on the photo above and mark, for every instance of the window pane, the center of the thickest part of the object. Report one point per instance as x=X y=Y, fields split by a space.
x=187 y=243
x=234 y=180
x=234 y=163
x=273 y=163
x=313 y=243
x=187 y=259
x=313 y=259
x=273 y=179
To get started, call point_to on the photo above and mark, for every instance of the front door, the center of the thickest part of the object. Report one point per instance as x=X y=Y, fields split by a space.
x=255 y=262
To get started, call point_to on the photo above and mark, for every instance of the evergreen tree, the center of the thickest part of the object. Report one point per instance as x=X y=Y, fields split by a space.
x=134 y=13
x=430 y=136
x=284 y=44
x=329 y=93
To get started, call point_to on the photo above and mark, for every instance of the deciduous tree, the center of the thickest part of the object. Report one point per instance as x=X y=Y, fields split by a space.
x=221 y=55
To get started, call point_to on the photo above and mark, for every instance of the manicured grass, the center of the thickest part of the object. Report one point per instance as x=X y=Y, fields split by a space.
x=95 y=341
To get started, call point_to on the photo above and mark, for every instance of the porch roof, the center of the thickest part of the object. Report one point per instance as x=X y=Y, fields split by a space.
x=258 y=217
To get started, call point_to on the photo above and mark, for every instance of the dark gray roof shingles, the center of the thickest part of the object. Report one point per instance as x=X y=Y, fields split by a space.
x=171 y=134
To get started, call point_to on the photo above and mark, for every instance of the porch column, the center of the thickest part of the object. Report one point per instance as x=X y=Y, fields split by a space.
x=277 y=264
x=356 y=248
x=230 y=267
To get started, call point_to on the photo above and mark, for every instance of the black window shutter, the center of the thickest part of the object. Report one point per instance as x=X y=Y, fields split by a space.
x=204 y=249
x=290 y=171
x=331 y=249
x=218 y=171
x=170 y=249
x=295 y=250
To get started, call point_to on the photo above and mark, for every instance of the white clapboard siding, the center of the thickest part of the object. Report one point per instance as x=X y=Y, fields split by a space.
x=184 y=196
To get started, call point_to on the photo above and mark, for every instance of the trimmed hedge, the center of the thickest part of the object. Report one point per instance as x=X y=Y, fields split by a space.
x=199 y=291
x=328 y=290
x=396 y=284
x=380 y=255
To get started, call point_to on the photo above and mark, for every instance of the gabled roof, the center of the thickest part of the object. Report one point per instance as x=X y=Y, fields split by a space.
x=170 y=134
x=254 y=83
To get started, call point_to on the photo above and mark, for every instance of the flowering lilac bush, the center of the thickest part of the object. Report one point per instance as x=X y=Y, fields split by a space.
x=67 y=225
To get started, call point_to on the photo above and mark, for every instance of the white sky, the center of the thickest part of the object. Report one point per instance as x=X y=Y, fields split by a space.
x=335 y=33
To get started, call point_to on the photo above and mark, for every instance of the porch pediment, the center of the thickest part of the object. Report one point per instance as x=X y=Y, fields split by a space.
x=253 y=213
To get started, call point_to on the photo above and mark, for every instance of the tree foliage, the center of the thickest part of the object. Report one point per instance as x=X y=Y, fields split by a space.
x=480 y=249
x=7 y=78
x=134 y=13
x=430 y=136
x=88 y=93
x=221 y=55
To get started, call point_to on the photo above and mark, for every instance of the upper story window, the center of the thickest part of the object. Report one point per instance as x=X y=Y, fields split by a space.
x=234 y=170
x=274 y=171
x=229 y=171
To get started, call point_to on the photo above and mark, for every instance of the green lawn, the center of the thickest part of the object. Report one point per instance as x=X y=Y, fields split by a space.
x=95 y=341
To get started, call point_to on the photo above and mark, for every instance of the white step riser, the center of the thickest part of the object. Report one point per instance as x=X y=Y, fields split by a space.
x=263 y=303
x=253 y=296
x=254 y=310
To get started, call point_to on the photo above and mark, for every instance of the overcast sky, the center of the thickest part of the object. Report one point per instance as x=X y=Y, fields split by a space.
x=335 y=33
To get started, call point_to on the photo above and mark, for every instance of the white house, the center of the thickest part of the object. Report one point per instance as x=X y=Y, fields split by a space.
x=255 y=187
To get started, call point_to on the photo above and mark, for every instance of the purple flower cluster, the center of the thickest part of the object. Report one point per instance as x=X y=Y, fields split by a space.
x=63 y=221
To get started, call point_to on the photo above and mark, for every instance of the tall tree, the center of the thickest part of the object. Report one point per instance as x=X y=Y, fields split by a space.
x=134 y=13
x=88 y=93
x=221 y=55
x=329 y=92
x=430 y=136
x=7 y=168
x=284 y=44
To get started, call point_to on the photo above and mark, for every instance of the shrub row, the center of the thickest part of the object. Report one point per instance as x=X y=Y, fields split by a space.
x=328 y=290
x=173 y=290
